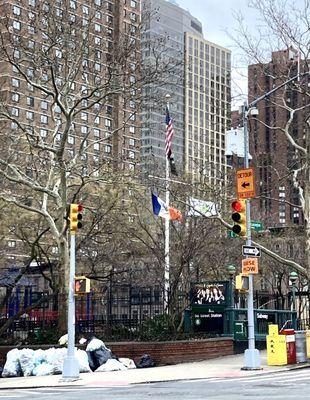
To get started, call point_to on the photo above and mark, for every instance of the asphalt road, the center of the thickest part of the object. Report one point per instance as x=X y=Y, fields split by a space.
x=282 y=385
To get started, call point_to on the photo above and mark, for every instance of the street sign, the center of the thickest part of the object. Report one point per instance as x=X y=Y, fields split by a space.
x=231 y=234
x=250 y=266
x=245 y=183
x=257 y=226
x=251 y=251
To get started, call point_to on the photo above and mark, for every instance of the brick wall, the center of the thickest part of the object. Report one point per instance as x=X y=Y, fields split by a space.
x=162 y=352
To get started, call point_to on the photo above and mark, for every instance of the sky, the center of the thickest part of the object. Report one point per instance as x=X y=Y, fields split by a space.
x=218 y=18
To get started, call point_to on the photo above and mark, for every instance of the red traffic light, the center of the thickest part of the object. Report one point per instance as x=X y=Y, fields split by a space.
x=239 y=217
x=238 y=205
x=80 y=208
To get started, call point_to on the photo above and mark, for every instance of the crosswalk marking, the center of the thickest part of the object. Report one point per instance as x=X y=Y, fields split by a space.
x=278 y=376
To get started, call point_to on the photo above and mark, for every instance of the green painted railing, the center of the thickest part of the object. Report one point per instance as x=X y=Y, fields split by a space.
x=237 y=317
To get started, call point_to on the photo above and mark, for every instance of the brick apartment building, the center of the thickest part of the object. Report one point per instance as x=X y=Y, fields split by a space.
x=274 y=158
x=41 y=41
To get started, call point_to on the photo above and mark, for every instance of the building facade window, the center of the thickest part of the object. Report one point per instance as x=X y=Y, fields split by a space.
x=44 y=105
x=15 y=82
x=29 y=115
x=44 y=119
x=16 y=10
x=15 y=111
x=16 y=25
x=15 y=97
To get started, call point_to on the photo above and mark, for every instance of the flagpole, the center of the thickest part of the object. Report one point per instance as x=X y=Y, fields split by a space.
x=167 y=232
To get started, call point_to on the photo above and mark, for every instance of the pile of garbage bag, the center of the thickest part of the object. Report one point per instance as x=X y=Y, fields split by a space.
x=97 y=357
x=27 y=362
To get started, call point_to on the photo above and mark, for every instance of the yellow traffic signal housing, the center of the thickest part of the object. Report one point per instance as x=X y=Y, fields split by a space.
x=239 y=217
x=75 y=217
x=81 y=285
x=242 y=283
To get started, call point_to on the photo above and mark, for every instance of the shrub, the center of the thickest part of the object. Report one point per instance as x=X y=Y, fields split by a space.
x=157 y=328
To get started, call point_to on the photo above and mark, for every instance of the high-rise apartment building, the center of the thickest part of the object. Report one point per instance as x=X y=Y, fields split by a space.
x=207 y=108
x=200 y=94
x=275 y=159
x=87 y=55
x=106 y=25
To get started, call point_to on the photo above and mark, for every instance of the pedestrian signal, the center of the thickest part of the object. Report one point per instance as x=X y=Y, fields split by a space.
x=75 y=217
x=242 y=283
x=239 y=217
x=81 y=285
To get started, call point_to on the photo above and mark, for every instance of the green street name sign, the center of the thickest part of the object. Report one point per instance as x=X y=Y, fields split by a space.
x=257 y=226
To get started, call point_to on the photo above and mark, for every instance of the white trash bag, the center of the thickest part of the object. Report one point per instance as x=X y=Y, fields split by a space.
x=128 y=362
x=26 y=359
x=55 y=357
x=39 y=357
x=82 y=358
x=95 y=344
x=12 y=366
x=43 y=369
x=111 y=365
x=63 y=341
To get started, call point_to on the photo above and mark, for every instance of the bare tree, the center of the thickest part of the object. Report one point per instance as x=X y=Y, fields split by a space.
x=79 y=73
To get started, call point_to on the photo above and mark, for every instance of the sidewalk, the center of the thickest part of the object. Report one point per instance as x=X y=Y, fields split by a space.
x=229 y=366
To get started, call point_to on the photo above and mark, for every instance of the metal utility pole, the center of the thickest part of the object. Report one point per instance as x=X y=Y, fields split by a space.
x=251 y=355
x=71 y=370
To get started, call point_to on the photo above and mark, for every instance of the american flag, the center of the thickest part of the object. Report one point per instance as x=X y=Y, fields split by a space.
x=169 y=134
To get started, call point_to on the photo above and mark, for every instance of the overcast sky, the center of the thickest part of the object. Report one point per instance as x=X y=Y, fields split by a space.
x=217 y=17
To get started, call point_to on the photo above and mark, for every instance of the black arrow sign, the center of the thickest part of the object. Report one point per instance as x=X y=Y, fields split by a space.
x=245 y=184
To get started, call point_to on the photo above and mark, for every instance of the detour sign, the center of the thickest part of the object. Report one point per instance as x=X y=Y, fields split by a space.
x=245 y=183
x=250 y=266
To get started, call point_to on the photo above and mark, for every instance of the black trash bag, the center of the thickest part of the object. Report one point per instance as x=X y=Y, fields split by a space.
x=97 y=352
x=146 y=361
x=91 y=362
x=100 y=356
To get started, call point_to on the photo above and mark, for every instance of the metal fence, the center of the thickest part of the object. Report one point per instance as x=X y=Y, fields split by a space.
x=116 y=313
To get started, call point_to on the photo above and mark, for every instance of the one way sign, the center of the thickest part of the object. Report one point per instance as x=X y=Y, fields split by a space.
x=250 y=251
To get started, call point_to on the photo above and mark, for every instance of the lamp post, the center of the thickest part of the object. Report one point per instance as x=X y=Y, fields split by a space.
x=231 y=269
x=293 y=280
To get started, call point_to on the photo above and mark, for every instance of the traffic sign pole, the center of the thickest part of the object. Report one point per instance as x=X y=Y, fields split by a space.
x=70 y=370
x=251 y=251
x=251 y=355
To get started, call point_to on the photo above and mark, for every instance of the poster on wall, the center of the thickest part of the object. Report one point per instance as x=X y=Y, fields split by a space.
x=212 y=293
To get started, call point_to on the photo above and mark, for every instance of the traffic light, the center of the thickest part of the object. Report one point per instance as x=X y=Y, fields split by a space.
x=242 y=283
x=75 y=217
x=81 y=285
x=239 y=217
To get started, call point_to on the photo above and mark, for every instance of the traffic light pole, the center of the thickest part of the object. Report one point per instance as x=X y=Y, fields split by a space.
x=251 y=355
x=70 y=369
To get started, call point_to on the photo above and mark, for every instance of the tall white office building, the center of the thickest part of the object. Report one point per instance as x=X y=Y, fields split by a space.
x=199 y=86
x=165 y=25
x=207 y=109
